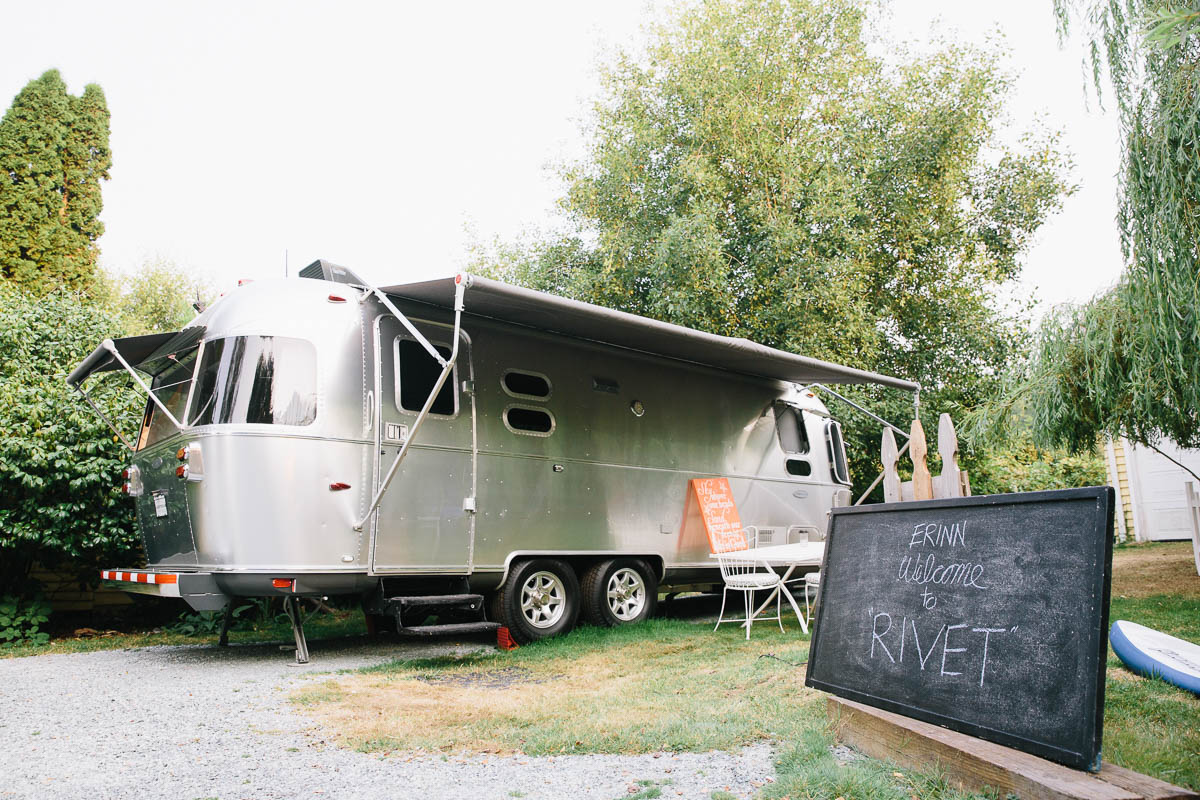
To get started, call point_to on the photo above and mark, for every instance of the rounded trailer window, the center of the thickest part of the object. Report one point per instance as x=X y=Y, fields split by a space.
x=529 y=420
x=532 y=385
x=269 y=380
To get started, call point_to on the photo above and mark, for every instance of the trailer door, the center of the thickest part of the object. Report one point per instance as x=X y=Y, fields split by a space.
x=423 y=524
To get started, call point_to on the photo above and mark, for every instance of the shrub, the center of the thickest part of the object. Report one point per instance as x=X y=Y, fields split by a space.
x=21 y=620
x=60 y=465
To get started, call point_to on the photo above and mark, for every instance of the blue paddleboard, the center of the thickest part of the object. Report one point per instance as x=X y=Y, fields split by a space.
x=1155 y=654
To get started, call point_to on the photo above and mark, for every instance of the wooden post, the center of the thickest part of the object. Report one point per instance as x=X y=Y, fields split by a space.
x=949 y=483
x=1193 y=503
x=975 y=764
x=891 y=461
x=922 y=481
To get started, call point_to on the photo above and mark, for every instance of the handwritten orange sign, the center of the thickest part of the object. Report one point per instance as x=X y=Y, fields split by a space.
x=719 y=513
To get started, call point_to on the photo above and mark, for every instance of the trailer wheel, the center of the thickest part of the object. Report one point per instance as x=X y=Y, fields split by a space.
x=540 y=599
x=619 y=592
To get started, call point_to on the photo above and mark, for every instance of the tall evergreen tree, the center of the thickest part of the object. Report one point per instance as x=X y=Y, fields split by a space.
x=54 y=152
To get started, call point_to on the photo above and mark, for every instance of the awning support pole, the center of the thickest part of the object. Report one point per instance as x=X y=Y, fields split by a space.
x=878 y=419
x=460 y=288
x=102 y=416
x=429 y=348
x=853 y=404
x=111 y=347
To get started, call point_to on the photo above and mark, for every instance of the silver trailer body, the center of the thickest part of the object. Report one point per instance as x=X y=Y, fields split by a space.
x=562 y=431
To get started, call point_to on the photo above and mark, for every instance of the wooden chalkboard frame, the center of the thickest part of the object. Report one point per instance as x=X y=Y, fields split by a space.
x=1086 y=755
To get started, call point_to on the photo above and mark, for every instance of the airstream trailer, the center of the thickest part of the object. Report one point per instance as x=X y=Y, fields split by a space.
x=433 y=445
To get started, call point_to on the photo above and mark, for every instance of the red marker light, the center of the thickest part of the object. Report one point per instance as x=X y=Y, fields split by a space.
x=339 y=486
x=458 y=278
x=181 y=471
x=333 y=298
x=125 y=488
x=282 y=583
x=124 y=474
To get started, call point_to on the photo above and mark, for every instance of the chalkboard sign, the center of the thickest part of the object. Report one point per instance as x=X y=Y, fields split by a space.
x=987 y=615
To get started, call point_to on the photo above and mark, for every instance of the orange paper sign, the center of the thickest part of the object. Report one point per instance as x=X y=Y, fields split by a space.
x=719 y=513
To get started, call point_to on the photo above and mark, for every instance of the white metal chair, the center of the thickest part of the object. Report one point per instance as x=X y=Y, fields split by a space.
x=812 y=586
x=747 y=576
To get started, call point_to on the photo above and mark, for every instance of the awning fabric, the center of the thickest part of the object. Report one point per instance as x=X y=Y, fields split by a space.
x=148 y=353
x=547 y=312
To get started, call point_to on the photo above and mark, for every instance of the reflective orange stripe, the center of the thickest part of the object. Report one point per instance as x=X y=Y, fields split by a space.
x=138 y=577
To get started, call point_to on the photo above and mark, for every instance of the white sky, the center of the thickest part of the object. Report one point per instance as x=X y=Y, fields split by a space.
x=374 y=134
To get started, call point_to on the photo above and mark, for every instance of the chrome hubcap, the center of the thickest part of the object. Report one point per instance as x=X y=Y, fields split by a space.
x=626 y=594
x=543 y=599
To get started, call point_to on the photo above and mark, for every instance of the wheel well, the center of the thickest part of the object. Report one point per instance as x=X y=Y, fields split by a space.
x=580 y=562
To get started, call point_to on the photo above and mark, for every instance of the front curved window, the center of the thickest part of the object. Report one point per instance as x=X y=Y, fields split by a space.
x=256 y=379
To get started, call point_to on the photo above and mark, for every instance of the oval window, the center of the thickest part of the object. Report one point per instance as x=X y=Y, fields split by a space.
x=799 y=466
x=529 y=420
x=526 y=384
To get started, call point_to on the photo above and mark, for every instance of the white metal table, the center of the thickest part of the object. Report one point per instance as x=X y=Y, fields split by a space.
x=801 y=554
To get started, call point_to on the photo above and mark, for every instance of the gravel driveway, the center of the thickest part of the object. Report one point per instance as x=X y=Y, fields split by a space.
x=207 y=722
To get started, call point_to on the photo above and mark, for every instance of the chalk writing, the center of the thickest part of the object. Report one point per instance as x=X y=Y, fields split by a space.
x=885 y=643
x=937 y=534
x=925 y=569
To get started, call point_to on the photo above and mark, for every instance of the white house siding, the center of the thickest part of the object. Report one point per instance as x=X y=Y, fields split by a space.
x=1152 y=489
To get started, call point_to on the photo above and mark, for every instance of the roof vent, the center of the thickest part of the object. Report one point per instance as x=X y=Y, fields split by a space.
x=323 y=270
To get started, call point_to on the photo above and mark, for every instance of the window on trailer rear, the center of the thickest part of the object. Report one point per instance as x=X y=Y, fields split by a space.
x=256 y=379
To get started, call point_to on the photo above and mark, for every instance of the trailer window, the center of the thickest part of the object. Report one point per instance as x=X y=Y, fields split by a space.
x=417 y=373
x=256 y=379
x=837 y=452
x=171 y=387
x=799 y=467
x=789 y=425
x=532 y=421
x=526 y=384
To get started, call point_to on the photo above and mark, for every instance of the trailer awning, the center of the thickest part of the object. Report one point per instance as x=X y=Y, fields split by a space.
x=150 y=353
x=548 y=312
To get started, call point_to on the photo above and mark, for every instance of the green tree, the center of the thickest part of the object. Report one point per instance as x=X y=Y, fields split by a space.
x=756 y=171
x=53 y=154
x=60 y=466
x=1128 y=363
x=158 y=297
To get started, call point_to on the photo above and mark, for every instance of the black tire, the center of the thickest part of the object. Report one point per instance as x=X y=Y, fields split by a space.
x=539 y=599
x=622 y=591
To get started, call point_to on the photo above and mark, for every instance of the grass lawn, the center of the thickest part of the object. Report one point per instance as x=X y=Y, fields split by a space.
x=1149 y=725
x=677 y=686
x=674 y=685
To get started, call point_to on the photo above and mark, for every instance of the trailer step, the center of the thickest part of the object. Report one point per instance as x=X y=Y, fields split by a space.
x=450 y=628
x=469 y=600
